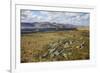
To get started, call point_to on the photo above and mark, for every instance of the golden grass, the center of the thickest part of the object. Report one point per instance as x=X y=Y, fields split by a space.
x=34 y=45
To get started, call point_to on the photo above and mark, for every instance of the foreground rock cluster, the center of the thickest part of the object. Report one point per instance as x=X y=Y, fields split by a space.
x=62 y=49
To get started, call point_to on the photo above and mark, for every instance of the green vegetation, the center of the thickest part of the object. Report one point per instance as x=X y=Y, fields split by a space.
x=55 y=46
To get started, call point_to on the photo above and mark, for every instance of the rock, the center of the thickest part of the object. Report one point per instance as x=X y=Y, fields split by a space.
x=52 y=50
x=70 y=42
x=66 y=45
x=45 y=55
x=82 y=45
x=65 y=55
x=69 y=53
x=77 y=46
x=61 y=51
x=51 y=55
x=56 y=53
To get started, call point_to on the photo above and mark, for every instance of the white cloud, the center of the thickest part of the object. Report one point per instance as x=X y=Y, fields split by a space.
x=58 y=17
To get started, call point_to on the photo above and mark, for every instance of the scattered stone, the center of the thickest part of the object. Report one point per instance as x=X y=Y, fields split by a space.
x=65 y=55
x=62 y=47
x=77 y=46
x=51 y=55
x=56 y=53
x=82 y=45
x=70 y=42
x=52 y=50
x=61 y=51
x=69 y=53
x=45 y=55
x=66 y=45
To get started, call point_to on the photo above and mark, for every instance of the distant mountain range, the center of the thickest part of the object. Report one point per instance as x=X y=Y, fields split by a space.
x=45 y=26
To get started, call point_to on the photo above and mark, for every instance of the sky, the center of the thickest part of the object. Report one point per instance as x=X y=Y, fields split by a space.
x=75 y=18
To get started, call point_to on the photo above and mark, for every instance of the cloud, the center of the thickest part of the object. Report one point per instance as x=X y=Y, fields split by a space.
x=82 y=19
x=27 y=16
x=76 y=18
